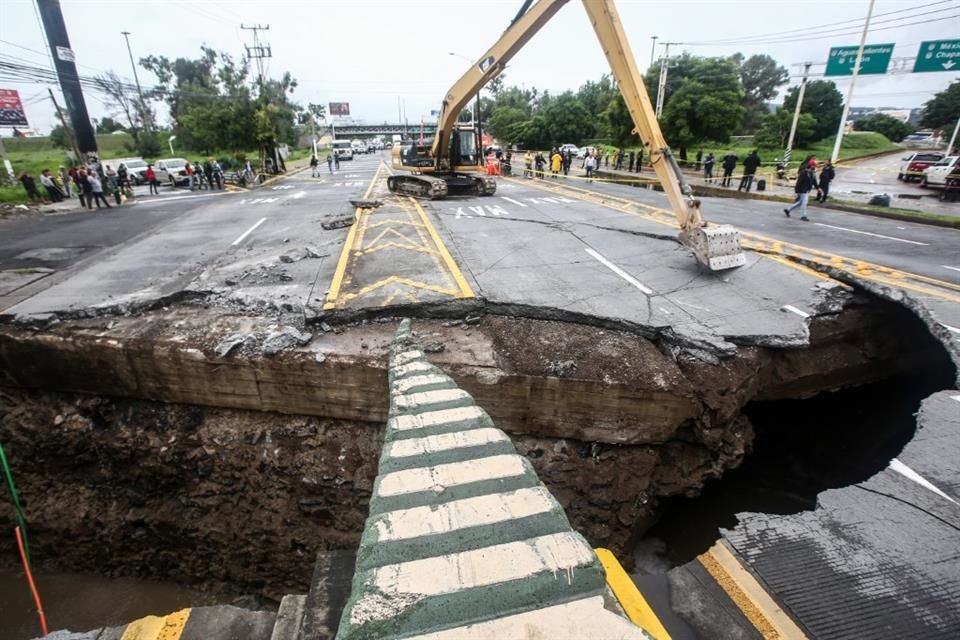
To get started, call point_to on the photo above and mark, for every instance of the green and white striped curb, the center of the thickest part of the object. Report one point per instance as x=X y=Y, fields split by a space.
x=463 y=541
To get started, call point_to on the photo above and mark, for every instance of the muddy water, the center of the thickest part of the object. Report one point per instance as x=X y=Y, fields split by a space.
x=80 y=601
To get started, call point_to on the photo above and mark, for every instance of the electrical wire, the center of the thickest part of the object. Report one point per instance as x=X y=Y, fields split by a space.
x=15 y=498
x=909 y=504
x=33 y=585
x=820 y=29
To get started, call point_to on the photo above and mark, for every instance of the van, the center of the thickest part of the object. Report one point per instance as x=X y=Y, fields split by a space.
x=342 y=149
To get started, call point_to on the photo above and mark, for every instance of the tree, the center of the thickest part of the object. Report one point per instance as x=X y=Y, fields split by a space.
x=695 y=113
x=889 y=126
x=775 y=130
x=823 y=102
x=108 y=125
x=60 y=137
x=124 y=100
x=760 y=76
x=502 y=119
x=617 y=123
x=941 y=112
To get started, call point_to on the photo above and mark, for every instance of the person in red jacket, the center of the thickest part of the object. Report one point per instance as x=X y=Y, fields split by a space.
x=151 y=177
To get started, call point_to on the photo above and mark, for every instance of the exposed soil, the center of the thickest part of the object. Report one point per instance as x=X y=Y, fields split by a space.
x=230 y=498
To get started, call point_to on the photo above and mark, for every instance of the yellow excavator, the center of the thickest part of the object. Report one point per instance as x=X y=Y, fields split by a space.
x=452 y=162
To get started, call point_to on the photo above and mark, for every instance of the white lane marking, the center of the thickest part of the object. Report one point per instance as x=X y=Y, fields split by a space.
x=435 y=418
x=793 y=309
x=951 y=268
x=160 y=199
x=248 y=232
x=949 y=328
x=868 y=233
x=444 y=476
x=957 y=398
x=516 y=202
x=910 y=474
x=415 y=400
x=620 y=272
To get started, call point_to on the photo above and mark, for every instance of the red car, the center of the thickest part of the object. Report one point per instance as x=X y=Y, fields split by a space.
x=915 y=162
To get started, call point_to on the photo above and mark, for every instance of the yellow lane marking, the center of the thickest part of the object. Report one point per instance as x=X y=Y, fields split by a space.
x=462 y=284
x=168 y=627
x=629 y=597
x=416 y=284
x=749 y=595
x=337 y=281
x=771 y=246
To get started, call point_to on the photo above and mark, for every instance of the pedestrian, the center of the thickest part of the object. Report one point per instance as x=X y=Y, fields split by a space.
x=699 y=158
x=750 y=164
x=567 y=161
x=113 y=183
x=78 y=183
x=618 y=166
x=729 y=164
x=538 y=162
x=556 y=161
x=208 y=173
x=52 y=189
x=330 y=163
x=606 y=159
x=527 y=164
x=30 y=186
x=630 y=166
x=590 y=165
x=218 y=174
x=188 y=171
x=827 y=174
x=151 y=177
x=639 y=159
x=96 y=192
x=708 y=167
x=336 y=161
x=123 y=177
x=314 y=164
x=806 y=181
x=65 y=179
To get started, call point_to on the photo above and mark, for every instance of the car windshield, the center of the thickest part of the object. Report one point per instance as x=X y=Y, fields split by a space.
x=174 y=164
x=927 y=157
x=946 y=162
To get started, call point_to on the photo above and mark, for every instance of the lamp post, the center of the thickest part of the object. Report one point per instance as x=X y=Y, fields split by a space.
x=653 y=48
x=170 y=142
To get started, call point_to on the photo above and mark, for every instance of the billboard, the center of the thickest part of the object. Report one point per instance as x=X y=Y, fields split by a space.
x=339 y=108
x=11 y=109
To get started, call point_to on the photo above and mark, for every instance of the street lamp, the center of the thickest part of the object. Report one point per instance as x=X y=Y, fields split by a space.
x=653 y=48
x=170 y=142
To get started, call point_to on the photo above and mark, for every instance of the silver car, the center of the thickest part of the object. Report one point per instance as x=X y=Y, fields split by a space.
x=172 y=171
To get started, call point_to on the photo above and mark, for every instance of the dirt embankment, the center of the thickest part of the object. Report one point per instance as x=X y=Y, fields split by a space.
x=221 y=497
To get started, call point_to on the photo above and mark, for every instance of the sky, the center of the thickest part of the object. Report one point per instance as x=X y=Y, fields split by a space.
x=375 y=54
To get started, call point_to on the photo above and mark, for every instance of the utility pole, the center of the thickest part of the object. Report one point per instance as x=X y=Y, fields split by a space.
x=66 y=129
x=953 y=138
x=796 y=113
x=259 y=51
x=143 y=119
x=653 y=48
x=662 y=86
x=853 y=81
x=64 y=62
x=6 y=162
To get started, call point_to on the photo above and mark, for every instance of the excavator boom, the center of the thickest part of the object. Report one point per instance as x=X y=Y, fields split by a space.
x=716 y=246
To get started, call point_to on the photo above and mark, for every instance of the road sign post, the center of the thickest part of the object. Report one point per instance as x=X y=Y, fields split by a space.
x=937 y=55
x=876 y=59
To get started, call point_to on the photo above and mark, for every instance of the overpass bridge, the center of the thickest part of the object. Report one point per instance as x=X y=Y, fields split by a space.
x=364 y=131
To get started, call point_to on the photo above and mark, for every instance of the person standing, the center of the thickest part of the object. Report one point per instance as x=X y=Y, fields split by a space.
x=639 y=159
x=567 y=161
x=151 y=177
x=30 y=186
x=96 y=192
x=527 y=164
x=630 y=165
x=313 y=166
x=218 y=174
x=538 y=162
x=188 y=171
x=336 y=161
x=589 y=163
x=66 y=180
x=827 y=174
x=729 y=164
x=52 y=189
x=113 y=183
x=78 y=182
x=708 y=167
x=750 y=164
x=618 y=166
x=699 y=158
x=208 y=173
x=806 y=181
x=556 y=161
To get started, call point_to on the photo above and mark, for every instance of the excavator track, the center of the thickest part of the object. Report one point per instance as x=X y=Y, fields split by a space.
x=438 y=187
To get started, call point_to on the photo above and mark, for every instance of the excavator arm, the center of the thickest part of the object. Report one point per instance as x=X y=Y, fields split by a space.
x=716 y=246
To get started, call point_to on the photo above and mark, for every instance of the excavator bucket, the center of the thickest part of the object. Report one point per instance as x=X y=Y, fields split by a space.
x=715 y=246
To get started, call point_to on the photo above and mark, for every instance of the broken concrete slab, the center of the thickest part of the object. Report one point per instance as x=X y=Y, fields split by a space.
x=284 y=338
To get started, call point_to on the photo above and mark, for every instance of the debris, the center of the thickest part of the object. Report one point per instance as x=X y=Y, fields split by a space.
x=293 y=256
x=285 y=338
x=338 y=223
x=320 y=357
x=472 y=320
x=366 y=204
x=363 y=345
x=228 y=344
x=285 y=277
x=326 y=328
x=230 y=282
x=561 y=368
x=880 y=200
x=313 y=252
x=434 y=347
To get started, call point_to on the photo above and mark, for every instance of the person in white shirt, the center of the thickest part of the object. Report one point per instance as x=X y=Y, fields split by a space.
x=97 y=191
x=52 y=189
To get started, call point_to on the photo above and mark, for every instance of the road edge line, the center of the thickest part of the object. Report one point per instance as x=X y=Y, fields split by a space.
x=465 y=290
x=746 y=592
x=344 y=258
x=636 y=607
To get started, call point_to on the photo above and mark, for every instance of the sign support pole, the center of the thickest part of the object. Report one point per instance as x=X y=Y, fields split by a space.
x=953 y=138
x=853 y=81
x=6 y=162
x=796 y=113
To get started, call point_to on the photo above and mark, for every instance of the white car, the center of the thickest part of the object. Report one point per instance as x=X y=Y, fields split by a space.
x=915 y=163
x=172 y=170
x=582 y=153
x=936 y=176
x=572 y=148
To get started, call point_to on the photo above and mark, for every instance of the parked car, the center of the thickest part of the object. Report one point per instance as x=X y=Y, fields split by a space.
x=582 y=153
x=572 y=148
x=927 y=139
x=936 y=175
x=135 y=168
x=171 y=170
x=914 y=164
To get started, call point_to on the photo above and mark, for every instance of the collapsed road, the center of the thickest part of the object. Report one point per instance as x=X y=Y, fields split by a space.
x=215 y=376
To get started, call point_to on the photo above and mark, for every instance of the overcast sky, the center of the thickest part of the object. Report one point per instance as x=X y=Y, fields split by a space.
x=370 y=52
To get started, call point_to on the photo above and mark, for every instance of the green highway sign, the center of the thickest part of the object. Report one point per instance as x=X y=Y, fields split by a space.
x=876 y=58
x=937 y=55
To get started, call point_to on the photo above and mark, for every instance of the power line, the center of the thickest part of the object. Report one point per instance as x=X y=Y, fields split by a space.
x=820 y=29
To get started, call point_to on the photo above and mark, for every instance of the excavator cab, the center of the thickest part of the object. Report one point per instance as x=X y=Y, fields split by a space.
x=451 y=174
